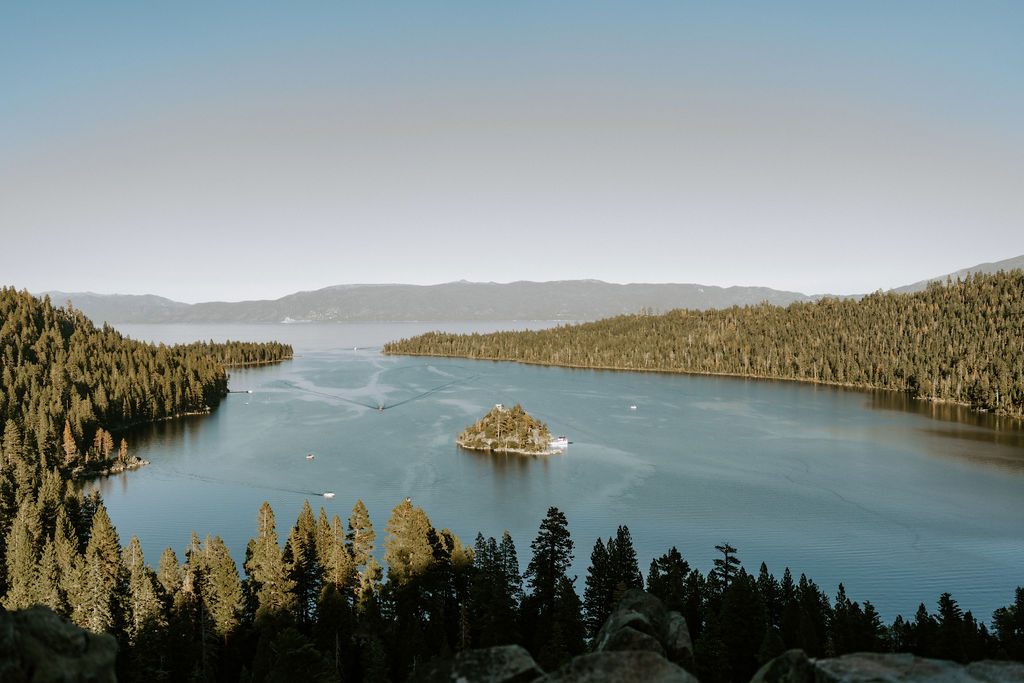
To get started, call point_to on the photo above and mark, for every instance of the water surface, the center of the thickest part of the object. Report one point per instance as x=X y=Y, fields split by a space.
x=900 y=500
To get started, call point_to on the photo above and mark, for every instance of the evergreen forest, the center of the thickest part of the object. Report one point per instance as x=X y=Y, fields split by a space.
x=329 y=600
x=959 y=342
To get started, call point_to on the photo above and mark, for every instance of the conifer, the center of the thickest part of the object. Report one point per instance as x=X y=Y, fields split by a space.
x=23 y=545
x=360 y=535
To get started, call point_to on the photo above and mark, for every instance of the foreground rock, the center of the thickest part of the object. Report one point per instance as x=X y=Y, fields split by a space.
x=795 y=667
x=626 y=665
x=642 y=641
x=641 y=622
x=501 y=664
x=37 y=645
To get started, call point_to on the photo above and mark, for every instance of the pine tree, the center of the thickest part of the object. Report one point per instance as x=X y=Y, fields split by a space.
x=600 y=588
x=407 y=549
x=666 y=579
x=361 y=537
x=510 y=563
x=743 y=623
x=300 y=558
x=222 y=587
x=70 y=449
x=169 y=574
x=103 y=579
x=144 y=609
x=623 y=564
x=725 y=567
x=47 y=589
x=70 y=566
x=23 y=546
x=552 y=555
x=266 y=570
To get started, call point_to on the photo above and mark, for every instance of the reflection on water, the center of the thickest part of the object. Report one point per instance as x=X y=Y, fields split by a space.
x=999 y=426
x=504 y=464
x=995 y=441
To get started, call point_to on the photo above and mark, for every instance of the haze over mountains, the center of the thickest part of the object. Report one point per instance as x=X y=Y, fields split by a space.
x=575 y=300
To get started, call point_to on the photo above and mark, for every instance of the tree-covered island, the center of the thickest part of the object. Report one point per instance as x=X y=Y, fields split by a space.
x=510 y=430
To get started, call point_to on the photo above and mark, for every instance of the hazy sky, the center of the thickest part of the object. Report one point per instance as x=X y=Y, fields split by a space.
x=227 y=151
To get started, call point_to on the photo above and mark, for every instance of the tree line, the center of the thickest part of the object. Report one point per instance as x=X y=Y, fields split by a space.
x=958 y=342
x=322 y=608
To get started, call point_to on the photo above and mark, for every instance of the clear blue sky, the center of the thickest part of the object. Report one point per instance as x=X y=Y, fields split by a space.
x=233 y=150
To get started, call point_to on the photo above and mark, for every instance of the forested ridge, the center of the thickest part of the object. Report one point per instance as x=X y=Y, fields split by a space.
x=67 y=386
x=961 y=342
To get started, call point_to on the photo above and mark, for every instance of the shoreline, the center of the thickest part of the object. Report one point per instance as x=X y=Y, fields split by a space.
x=517 y=451
x=261 y=362
x=707 y=373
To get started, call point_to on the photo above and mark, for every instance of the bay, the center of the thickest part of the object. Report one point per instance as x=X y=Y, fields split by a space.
x=900 y=500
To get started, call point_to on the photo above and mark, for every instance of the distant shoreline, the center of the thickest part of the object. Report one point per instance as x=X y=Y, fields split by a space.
x=705 y=373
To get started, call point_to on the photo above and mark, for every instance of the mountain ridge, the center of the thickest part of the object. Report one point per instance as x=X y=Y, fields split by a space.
x=570 y=300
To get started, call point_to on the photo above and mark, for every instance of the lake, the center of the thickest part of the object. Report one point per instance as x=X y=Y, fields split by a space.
x=899 y=500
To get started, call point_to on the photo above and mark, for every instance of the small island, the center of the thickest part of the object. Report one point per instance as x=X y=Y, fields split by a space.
x=511 y=430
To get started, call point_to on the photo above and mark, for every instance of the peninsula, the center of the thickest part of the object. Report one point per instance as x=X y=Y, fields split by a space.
x=510 y=430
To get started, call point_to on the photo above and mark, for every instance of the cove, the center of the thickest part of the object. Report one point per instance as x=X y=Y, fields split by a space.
x=897 y=499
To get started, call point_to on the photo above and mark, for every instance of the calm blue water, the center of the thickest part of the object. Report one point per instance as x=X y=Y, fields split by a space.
x=845 y=486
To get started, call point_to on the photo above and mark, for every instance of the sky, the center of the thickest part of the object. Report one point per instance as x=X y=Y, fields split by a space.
x=228 y=151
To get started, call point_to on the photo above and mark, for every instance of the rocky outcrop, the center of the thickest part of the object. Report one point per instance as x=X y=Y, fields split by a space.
x=795 y=667
x=37 y=645
x=642 y=641
x=641 y=622
x=501 y=664
x=623 y=665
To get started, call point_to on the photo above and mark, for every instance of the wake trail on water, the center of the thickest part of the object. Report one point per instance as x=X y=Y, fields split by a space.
x=381 y=405
x=206 y=479
x=913 y=533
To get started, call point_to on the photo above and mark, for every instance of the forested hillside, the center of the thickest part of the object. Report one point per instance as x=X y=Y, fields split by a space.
x=66 y=387
x=961 y=342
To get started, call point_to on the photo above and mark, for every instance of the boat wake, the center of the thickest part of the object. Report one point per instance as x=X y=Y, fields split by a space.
x=380 y=406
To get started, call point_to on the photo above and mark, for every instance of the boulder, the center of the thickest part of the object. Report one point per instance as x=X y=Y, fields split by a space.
x=641 y=622
x=676 y=639
x=628 y=638
x=794 y=667
x=606 y=667
x=37 y=645
x=619 y=620
x=500 y=664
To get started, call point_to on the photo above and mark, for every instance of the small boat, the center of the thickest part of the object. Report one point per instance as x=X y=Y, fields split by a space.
x=310 y=456
x=632 y=407
x=328 y=494
x=558 y=445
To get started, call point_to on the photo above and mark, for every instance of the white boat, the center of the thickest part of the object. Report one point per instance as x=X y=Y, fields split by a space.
x=328 y=494
x=632 y=407
x=310 y=456
x=558 y=444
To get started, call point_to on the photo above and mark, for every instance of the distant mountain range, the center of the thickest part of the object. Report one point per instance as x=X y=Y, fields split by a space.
x=1008 y=264
x=572 y=300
